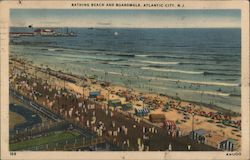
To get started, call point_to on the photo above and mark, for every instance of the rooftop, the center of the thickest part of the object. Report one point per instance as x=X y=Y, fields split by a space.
x=157 y=116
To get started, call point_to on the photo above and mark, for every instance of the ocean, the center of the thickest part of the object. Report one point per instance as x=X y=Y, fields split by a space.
x=200 y=65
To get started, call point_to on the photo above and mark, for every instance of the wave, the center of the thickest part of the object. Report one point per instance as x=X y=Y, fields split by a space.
x=221 y=74
x=171 y=70
x=66 y=49
x=55 y=49
x=110 y=72
x=115 y=73
x=141 y=55
x=217 y=55
x=211 y=93
x=69 y=49
x=51 y=49
x=104 y=59
x=193 y=82
x=158 y=62
x=191 y=57
x=127 y=64
x=121 y=55
x=97 y=70
x=205 y=64
x=177 y=54
x=226 y=79
x=118 y=64
x=91 y=57
x=235 y=95
x=157 y=56
x=193 y=63
x=199 y=92
x=213 y=59
x=176 y=80
x=155 y=68
x=219 y=69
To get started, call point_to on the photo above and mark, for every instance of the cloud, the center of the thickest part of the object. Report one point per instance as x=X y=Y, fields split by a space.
x=126 y=24
x=104 y=23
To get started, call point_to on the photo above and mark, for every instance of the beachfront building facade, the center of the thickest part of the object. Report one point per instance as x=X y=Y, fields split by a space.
x=198 y=135
x=227 y=145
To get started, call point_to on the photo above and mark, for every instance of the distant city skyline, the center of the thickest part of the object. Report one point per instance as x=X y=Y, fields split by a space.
x=125 y=18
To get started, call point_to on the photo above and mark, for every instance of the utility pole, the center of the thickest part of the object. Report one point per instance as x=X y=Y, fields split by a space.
x=64 y=84
x=193 y=114
x=108 y=96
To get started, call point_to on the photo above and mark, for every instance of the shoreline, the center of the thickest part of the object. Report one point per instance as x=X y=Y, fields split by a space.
x=232 y=107
x=78 y=77
x=72 y=76
x=93 y=84
x=210 y=106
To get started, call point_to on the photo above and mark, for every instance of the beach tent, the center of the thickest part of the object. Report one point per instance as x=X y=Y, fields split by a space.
x=227 y=122
x=128 y=97
x=198 y=135
x=165 y=107
x=210 y=114
x=227 y=145
x=217 y=117
x=202 y=113
x=142 y=111
x=94 y=94
x=237 y=124
x=100 y=98
x=157 y=118
x=127 y=106
x=141 y=98
x=115 y=103
x=170 y=125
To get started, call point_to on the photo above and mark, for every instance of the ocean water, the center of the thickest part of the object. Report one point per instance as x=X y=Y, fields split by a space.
x=201 y=65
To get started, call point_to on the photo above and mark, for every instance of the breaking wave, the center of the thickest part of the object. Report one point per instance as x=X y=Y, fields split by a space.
x=194 y=82
x=171 y=70
x=110 y=72
x=159 y=62
x=211 y=93
x=199 y=92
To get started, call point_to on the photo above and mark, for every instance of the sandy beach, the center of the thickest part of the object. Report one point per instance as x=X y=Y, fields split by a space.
x=179 y=111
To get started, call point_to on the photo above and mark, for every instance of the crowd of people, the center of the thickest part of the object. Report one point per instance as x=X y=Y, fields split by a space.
x=128 y=131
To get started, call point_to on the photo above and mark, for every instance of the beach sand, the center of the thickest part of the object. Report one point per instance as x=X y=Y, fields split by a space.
x=217 y=133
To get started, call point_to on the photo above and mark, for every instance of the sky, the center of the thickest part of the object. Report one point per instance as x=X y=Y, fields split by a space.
x=125 y=18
